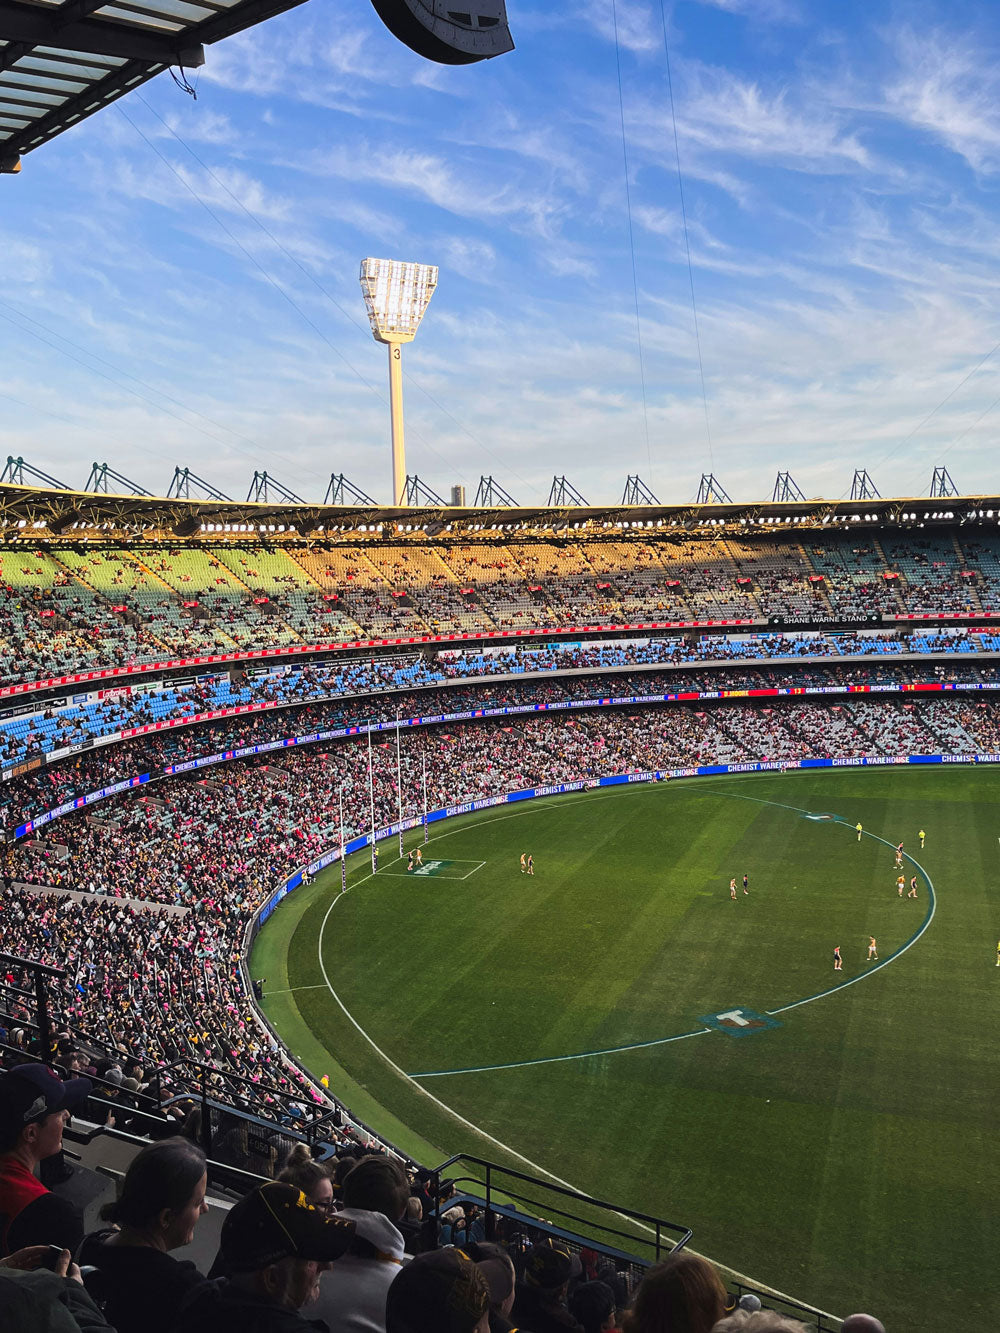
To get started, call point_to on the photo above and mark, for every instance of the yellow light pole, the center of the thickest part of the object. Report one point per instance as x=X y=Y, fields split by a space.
x=396 y=294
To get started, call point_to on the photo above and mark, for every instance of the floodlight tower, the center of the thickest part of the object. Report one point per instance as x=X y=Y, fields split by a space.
x=396 y=295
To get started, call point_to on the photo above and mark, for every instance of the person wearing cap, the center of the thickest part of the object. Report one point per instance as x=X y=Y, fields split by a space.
x=273 y=1247
x=496 y=1266
x=540 y=1301
x=441 y=1291
x=35 y=1105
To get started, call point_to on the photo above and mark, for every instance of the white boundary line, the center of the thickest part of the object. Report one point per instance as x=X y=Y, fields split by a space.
x=425 y=872
x=474 y=871
x=562 y=1059
x=292 y=990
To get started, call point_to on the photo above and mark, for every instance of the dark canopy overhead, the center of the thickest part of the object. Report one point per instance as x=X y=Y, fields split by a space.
x=62 y=60
x=31 y=514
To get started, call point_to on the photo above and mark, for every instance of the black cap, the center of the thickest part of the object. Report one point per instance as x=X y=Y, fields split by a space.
x=549 y=1264
x=32 y=1092
x=275 y=1222
x=441 y=1291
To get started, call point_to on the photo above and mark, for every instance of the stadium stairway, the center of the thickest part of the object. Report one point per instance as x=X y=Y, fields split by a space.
x=894 y=584
x=99 y=597
x=972 y=592
x=233 y=577
x=823 y=595
x=157 y=579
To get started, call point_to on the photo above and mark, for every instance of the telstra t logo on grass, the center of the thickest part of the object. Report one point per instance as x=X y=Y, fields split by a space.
x=739 y=1021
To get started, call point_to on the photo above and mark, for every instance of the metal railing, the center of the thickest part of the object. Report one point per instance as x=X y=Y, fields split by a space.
x=521 y=1209
x=42 y=1024
x=600 y=1218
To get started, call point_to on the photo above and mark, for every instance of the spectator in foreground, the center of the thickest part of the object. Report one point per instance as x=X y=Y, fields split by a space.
x=758 y=1321
x=34 y=1108
x=441 y=1291
x=862 y=1323
x=308 y=1176
x=592 y=1304
x=34 y=1298
x=683 y=1293
x=352 y=1296
x=274 y=1246
x=540 y=1300
x=495 y=1264
x=137 y=1283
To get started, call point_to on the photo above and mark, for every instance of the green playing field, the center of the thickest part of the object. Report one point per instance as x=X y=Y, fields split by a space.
x=620 y=1021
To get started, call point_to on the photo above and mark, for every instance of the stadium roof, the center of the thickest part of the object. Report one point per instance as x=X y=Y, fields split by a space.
x=29 y=513
x=62 y=60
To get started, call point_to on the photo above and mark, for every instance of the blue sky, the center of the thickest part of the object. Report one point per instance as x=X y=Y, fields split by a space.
x=181 y=276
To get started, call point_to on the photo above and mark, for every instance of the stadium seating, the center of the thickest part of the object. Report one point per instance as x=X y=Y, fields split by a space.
x=44 y=727
x=73 y=607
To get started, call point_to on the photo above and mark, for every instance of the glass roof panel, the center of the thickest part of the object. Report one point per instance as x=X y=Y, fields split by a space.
x=158 y=23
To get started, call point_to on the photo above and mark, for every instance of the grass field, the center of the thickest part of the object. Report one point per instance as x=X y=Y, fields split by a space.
x=846 y=1155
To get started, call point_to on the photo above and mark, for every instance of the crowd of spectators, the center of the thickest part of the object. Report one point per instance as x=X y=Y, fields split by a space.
x=145 y=901
x=68 y=609
x=384 y=685
x=79 y=774
x=53 y=725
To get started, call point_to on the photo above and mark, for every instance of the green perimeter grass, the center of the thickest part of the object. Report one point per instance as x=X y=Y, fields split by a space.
x=847 y=1157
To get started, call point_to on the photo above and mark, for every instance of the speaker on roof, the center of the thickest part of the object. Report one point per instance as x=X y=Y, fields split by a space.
x=186 y=526
x=450 y=32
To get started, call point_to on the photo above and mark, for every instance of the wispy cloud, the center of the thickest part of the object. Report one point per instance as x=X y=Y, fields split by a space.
x=451 y=186
x=639 y=27
x=727 y=113
x=761 y=11
x=947 y=84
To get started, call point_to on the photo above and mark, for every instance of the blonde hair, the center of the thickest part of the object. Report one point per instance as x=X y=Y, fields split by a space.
x=758 y=1321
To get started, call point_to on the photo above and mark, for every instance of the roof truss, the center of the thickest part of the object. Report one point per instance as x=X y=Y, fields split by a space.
x=62 y=60
x=34 y=513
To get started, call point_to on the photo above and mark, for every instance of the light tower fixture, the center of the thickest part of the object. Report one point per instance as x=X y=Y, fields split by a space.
x=396 y=295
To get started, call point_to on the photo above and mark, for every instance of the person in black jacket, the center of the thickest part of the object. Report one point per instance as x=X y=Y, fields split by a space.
x=273 y=1248
x=36 y=1297
x=136 y=1282
x=34 y=1108
x=540 y=1299
x=440 y=1291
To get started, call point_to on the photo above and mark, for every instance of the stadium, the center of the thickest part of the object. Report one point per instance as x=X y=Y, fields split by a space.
x=623 y=876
